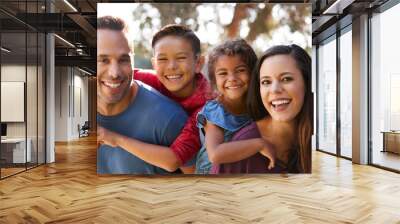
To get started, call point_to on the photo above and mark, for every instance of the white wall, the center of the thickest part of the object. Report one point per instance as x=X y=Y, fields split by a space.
x=71 y=94
x=61 y=103
x=16 y=73
x=81 y=104
x=12 y=73
x=33 y=126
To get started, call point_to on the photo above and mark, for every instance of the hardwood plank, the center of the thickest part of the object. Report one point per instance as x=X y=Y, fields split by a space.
x=69 y=191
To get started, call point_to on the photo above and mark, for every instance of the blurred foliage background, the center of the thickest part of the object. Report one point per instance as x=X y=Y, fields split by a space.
x=262 y=25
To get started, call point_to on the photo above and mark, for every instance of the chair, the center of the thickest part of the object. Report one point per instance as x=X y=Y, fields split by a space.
x=84 y=130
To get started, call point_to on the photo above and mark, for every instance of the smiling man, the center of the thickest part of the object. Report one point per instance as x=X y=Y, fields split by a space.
x=129 y=109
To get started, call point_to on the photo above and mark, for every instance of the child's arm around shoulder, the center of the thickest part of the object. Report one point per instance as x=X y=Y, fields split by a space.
x=148 y=77
x=218 y=150
x=228 y=152
x=157 y=155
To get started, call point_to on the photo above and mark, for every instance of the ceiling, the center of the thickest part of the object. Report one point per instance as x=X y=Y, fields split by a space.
x=74 y=22
x=330 y=15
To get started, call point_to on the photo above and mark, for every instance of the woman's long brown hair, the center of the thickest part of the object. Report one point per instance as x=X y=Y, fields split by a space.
x=305 y=116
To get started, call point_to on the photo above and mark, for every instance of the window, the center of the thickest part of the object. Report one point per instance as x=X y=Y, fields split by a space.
x=346 y=94
x=385 y=89
x=22 y=75
x=327 y=96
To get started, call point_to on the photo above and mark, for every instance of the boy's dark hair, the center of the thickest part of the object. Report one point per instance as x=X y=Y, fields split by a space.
x=178 y=31
x=111 y=23
x=231 y=48
x=304 y=119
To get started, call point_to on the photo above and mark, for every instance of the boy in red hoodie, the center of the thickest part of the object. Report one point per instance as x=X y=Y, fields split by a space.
x=177 y=62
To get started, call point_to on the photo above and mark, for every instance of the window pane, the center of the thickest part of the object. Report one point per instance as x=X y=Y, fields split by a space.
x=385 y=86
x=327 y=97
x=345 y=94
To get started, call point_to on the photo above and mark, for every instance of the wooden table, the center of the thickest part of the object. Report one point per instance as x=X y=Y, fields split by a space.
x=13 y=150
x=391 y=141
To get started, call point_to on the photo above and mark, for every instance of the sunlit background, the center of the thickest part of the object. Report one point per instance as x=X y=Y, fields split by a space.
x=262 y=25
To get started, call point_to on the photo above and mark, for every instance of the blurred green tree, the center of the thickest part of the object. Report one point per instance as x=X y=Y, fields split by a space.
x=257 y=23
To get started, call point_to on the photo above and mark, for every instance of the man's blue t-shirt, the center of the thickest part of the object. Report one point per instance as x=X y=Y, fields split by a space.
x=150 y=118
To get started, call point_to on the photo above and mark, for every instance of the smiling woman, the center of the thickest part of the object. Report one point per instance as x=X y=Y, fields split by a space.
x=280 y=101
x=281 y=87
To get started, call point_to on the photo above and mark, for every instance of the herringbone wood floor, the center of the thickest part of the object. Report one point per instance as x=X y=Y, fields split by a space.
x=69 y=191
